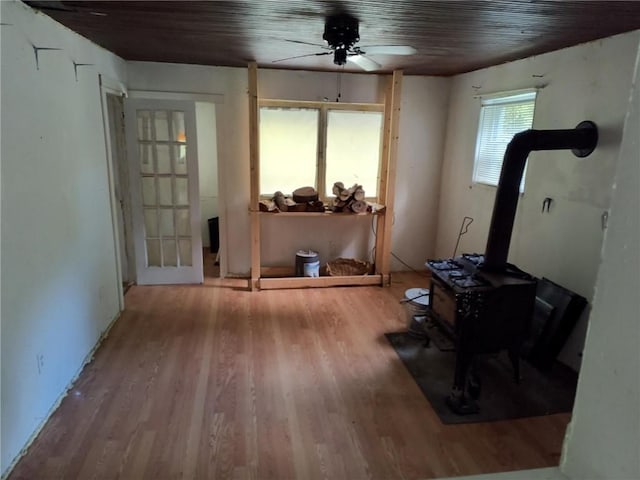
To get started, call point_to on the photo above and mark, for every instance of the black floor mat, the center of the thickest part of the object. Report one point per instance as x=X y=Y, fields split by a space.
x=501 y=398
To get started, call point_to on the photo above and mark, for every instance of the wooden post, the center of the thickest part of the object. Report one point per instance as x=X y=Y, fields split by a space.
x=254 y=171
x=384 y=171
x=321 y=165
x=396 y=92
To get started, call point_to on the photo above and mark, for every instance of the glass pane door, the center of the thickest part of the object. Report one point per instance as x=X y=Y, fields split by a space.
x=162 y=145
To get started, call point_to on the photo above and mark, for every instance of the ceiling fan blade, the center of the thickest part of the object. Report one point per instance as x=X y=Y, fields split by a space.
x=388 y=50
x=364 y=63
x=302 y=56
x=308 y=43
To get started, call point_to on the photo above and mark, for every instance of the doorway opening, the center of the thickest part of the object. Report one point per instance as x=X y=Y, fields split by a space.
x=128 y=195
x=208 y=186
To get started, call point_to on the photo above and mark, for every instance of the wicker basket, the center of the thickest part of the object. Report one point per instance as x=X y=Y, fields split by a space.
x=347 y=266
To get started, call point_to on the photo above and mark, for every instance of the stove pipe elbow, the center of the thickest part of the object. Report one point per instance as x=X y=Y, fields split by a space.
x=582 y=140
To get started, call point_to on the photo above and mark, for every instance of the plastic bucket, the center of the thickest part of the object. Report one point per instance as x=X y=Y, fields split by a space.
x=416 y=302
x=307 y=264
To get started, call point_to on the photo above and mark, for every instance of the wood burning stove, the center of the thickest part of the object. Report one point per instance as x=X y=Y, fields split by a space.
x=484 y=312
x=482 y=302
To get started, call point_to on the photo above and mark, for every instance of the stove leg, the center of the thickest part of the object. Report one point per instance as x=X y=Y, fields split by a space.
x=474 y=384
x=460 y=403
x=458 y=400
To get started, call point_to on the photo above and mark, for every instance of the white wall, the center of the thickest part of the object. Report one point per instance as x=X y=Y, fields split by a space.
x=423 y=122
x=207 y=165
x=420 y=152
x=604 y=436
x=589 y=81
x=59 y=282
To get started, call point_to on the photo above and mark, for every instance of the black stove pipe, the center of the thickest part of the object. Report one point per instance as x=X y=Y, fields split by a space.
x=582 y=140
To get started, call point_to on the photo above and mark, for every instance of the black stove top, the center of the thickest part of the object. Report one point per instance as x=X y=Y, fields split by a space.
x=459 y=272
x=444 y=265
x=475 y=258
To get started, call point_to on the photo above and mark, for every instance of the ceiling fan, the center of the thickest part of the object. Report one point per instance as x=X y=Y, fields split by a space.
x=341 y=34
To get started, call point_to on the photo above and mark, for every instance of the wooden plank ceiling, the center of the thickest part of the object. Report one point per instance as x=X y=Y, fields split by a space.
x=451 y=37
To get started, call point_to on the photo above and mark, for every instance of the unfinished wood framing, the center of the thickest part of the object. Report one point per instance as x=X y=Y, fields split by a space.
x=261 y=277
x=396 y=91
x=302 y=282
x=254 y=171
x=278 y=272
x=383 y=176
x=327 y=214
x=364 y=107
x=321 y=165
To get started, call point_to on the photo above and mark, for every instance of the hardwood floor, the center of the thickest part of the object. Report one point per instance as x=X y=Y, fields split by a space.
x=214 y=381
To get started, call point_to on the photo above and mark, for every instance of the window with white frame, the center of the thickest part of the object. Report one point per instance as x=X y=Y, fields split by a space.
x=311 y=145
x=501 y=117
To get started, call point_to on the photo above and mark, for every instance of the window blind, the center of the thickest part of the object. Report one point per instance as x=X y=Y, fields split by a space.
x=500 y=119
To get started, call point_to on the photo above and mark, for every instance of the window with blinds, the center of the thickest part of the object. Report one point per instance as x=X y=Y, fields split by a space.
x=500 y=119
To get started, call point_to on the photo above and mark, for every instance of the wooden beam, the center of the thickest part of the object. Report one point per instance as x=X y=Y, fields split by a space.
x=364 y=107
x=386 y=140
x=254 y=170
x=396 y=93
x=380 y=223
x=383 y=174
x=321 y=152
x=325 y=214
x=285 y=271
x=309 y=282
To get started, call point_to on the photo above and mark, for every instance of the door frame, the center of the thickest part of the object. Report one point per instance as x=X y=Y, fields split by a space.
x=109 y=86
x=121 y=185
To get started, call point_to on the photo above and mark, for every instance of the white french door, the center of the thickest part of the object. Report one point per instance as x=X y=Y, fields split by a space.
x=163 y=161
